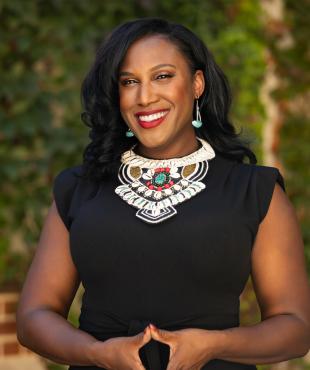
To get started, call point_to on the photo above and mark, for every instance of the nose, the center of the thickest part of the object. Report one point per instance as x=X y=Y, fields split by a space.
x=146 y=94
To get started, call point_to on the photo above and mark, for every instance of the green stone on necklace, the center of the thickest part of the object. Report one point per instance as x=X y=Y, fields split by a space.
x=160 y=179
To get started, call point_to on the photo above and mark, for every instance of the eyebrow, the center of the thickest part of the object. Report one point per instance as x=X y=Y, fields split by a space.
x=152 y=69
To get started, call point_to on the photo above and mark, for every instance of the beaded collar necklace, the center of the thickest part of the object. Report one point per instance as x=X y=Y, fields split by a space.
x=155 y=186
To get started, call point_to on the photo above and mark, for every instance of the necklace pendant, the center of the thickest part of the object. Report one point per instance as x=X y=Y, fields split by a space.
x=156 y=216
x=155 y=187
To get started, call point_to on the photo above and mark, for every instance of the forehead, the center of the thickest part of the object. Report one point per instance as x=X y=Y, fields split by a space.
x=152 y=50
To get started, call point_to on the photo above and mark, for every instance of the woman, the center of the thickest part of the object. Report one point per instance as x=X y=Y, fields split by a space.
x=163 y=224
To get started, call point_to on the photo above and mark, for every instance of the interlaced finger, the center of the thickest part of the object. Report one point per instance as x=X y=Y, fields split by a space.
x=139 y=366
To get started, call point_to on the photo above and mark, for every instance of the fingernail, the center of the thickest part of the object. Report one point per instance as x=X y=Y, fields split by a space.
x=153 y=326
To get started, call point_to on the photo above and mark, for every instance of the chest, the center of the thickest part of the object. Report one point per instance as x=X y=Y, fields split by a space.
x=207 y=244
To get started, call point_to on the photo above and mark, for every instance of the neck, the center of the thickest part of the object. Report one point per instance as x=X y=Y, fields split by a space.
x=173 y=151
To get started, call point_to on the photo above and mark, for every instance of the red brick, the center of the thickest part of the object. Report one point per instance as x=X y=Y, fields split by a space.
x=10 y=307
x=8 y=327
x=1 y=308
x=11 y=348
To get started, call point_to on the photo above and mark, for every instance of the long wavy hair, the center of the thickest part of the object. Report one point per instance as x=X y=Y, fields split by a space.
x=100 y=97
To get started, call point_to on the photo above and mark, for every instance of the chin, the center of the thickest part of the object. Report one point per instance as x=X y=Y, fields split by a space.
x=151 y=142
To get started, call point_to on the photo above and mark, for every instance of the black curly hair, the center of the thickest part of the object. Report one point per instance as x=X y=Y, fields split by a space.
x=100 y=97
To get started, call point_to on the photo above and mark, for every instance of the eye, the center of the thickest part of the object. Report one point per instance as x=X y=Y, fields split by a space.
x=126 y=82
x=162 y=76
x=167 y=75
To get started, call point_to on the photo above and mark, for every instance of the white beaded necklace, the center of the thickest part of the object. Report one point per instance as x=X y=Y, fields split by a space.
x=155 y=186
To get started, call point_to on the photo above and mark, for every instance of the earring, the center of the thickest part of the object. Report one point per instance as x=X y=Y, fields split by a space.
x=197 y=122
x=129 y=133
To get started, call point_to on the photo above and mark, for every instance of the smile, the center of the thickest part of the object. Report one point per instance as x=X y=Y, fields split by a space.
x=151 y=120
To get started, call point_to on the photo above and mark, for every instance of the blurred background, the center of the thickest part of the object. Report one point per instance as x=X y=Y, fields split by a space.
x=46 y=48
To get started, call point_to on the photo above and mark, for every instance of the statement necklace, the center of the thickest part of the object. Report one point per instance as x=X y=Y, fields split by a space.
x=155 y=186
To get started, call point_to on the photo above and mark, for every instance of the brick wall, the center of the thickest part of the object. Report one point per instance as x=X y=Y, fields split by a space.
x=11 y=351
x=8 y=341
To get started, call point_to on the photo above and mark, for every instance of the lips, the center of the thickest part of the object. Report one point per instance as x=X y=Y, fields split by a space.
x=151 y=122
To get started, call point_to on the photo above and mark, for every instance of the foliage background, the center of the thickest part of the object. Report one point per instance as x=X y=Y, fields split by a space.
x=46 y=48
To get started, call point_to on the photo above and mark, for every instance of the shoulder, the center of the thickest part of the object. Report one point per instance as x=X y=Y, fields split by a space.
x=67 y=178
x=264 y=177
x=251 y=184
x=258 y=175
x=70 y=173
x=269 y=186
x=255 y=174
x=70 y=189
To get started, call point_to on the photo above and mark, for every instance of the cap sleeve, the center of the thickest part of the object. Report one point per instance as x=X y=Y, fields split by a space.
x=63 y=189
x=265 y=184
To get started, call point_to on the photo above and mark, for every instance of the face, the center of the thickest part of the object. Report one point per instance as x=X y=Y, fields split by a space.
x=157 y=92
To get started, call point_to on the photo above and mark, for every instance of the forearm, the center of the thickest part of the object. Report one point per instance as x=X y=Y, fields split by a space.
x=276 y=339
x=52 y=336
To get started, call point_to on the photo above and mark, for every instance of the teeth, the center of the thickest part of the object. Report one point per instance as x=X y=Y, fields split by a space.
x=152 y=117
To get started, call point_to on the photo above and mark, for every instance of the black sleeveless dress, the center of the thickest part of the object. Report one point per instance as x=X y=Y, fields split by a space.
x=186 y=272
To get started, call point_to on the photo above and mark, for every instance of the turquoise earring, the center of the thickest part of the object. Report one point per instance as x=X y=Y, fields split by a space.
x=129 y=133
x=197 y=122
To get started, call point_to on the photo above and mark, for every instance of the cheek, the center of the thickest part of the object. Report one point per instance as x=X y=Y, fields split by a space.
x=181 y=95
x=125 y=100
x=123 y=106
x=122 y=103
x=183 y=103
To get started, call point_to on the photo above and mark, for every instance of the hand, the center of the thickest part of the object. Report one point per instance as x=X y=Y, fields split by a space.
x=121 y=353
x=190 y=349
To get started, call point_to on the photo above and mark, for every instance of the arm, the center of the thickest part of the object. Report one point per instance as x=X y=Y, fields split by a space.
x=282 y=289
x=47 y=294
x=49 y=289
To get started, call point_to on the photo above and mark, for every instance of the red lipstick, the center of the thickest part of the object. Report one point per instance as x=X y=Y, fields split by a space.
x=153 y=123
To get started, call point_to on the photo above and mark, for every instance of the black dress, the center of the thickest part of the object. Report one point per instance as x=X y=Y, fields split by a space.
x=186 y=272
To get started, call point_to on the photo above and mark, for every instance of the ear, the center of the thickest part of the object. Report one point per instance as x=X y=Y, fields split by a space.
x=198 y=83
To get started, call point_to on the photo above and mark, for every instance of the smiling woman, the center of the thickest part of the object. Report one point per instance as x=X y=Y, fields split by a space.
x=164 y=222
x=150 y=91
